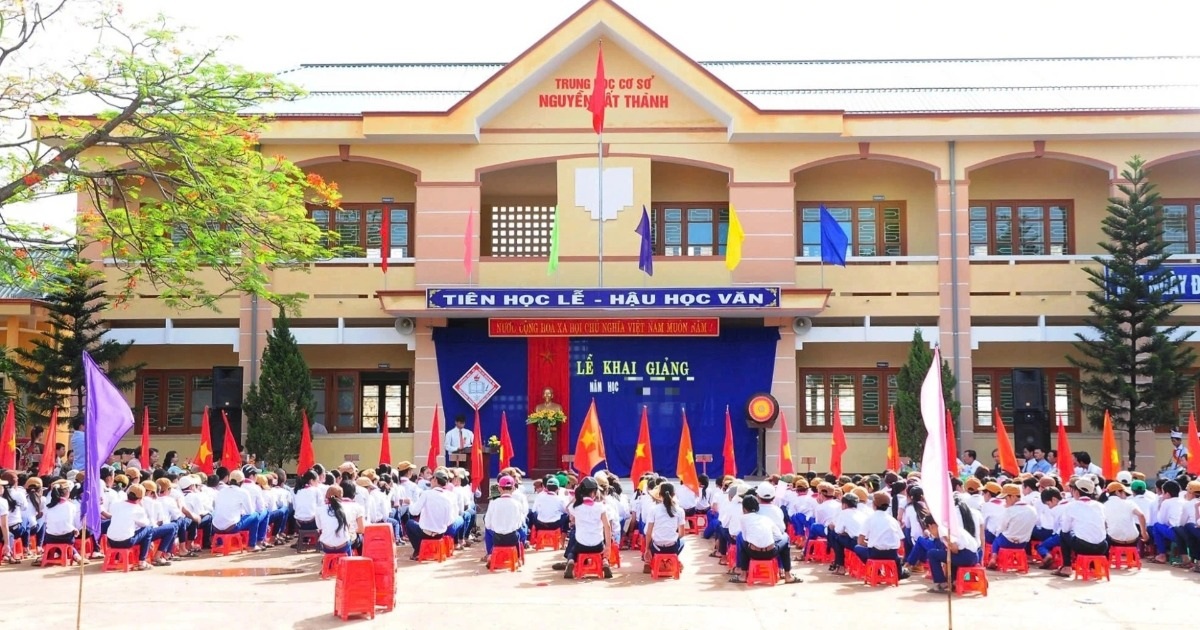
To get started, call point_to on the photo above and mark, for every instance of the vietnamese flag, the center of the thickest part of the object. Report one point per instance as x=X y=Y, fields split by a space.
x=1193 y=444
x=893 y=449
x=477 y=471
x=643 y=459
x=685 y=463
x=1008 y=456
x=230 y=458
x=49 y=450
x=204 y=459
x=506 y=445
x=385 y=442
x=145 y=459
x=8 y=439
x=727 y=453
x=435 y=441
x=306 y=459
x=1111 y=463
x=838 y=444
x=951 y=446
x=1066 y=468
x=598 y=101
x=785 y=447
x=589 y=449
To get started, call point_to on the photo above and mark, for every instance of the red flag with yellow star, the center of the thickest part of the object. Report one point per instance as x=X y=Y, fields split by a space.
x=685 y=464
x=477 y=471
x=506 y=445
x=49 y=454
x=785 y=447
x=8 y=439
x=589 y=449
x=727 y=453
x=203 y=459
x=643 y=459
x=230 y=457
x=1110 y=457
x=838 y=444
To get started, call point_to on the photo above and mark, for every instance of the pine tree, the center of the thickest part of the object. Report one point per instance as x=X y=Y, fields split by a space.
x=51 y=371
x=1133 y=360
x=274 y=404
x=910 y=428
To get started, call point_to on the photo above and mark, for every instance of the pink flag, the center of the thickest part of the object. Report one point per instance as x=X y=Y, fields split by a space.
x=935 y=477
x=468 y=244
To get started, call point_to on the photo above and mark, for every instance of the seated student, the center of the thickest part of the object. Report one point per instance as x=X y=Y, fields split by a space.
x=1187 y=531
x=549 y=510
x=435 y=513
x=171 y=514
x=233 y=511
x=960 y=546
x=504 y=521
x=592 y=531
x=761 y=539
x=802 y=507
x=992 y=508
x=309 y=499
x=1053 y=505
x=727 y=517
x=665 y=525
x=881 y=535
x=338 y=521
x=827 y=509
x=356 y=516
x=765 y=493
x=131 y=527
x=197 y=508
x=1123 y=518
x=1168 y=516
x=259 y=503
x=1016 y=527
x=62 y=520
x=1082 y=528
x=686 y=499
x=847 y=526
x=914 y=522
x=1147 y=501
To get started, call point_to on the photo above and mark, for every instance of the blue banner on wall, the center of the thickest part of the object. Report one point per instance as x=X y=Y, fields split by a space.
x=534 y=298
x=1179 y=282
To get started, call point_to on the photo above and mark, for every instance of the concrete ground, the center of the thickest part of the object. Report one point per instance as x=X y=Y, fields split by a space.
x=461 y=591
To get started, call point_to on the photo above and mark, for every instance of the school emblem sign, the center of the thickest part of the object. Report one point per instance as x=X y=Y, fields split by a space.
x=476 y=386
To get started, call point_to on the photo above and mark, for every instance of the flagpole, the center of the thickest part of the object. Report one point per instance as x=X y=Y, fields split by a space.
x=79 y=602
x=600 y=200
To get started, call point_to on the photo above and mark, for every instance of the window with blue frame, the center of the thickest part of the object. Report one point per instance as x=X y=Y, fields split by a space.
x=875 y=228
x=689 y=229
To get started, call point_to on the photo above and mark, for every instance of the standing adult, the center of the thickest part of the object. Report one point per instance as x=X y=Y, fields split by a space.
x=78 y=445
x=459 y=439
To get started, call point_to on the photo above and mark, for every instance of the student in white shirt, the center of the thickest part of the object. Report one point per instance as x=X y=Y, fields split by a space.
x=436 y=513
x=1082 y=526
x=665 y=524
x=549 y=511
x=1124 y=519
x=1170 y=512
x=1188 y=529
x=761 y=539
x=259 y=504
x=847 y=526
x=686 y=499
x=959 y=546
x=1147 y=501
x=62 y=520
x=1016 y=526
x=277 y=507
x=309 y=498
x=233 y=511
x=338 y=521
x=881 y=536
x=197 y=509
x=130 y=526
x=592 y=532
x=504 y=521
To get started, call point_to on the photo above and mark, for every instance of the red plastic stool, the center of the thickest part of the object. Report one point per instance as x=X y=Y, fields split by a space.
x=354 y=593
x=505 y=557
x=1121 y=555
x=665 y=565
x=306 y=540
x=432 y=549
x=85 y=549
x=971 y=580
x=589 y=565
x=731 y=557
x=225 y=544
x=817 y=550
x=547 y=539
x=696 y=523
x=1056 y=559
x=763 y=572
x=1012 y=560
x=18 y=547
x=855 y=567
x=881 y=572
x=637 y=541
x=614 y=556
x=122 y=559
x=57 y=553
x=329 y=564
x=1088 y=567
x=987 y=554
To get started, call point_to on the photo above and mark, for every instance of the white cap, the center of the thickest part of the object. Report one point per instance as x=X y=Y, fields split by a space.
x=1176 y=435
x=1125 y=477
x=765 y=490
x=187 y=481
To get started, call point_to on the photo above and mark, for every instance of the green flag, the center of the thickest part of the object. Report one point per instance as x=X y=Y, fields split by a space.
x=553 y=266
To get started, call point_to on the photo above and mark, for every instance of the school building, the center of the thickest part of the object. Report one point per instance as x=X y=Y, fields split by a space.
x=972 y=191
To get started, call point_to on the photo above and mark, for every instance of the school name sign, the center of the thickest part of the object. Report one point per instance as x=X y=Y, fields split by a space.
x=622 y=92
x=582 y=299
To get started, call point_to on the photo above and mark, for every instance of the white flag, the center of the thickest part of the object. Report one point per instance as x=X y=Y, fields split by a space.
x=935 y=479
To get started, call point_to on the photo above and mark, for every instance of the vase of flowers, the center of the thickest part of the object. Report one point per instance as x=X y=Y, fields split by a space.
x=547 y=422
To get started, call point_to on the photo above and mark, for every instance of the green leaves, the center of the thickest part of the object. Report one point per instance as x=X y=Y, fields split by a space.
x=275 y=404
x=910 y=428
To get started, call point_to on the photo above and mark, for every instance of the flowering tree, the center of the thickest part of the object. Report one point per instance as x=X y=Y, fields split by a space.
x=150 y=129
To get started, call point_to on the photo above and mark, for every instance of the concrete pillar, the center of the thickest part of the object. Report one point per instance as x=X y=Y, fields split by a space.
x=783 y=387
x=441 y=218
x=255 y=320
x=427 y=393
x=767 y=212
x=954 y=296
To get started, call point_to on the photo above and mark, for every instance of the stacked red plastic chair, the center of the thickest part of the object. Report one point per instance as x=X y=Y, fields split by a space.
x=354 y=593
x=379 y=547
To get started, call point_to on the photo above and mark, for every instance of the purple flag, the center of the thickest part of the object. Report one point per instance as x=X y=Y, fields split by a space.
x=108 y=419
x=646 y=255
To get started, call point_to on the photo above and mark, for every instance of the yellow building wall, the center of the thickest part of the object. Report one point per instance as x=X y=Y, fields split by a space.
x=329 y=450
x=368 y=183
x=358 y=357
x=683 y=183
x=1178 y=178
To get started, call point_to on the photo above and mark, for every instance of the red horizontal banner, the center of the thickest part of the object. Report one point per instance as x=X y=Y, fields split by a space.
x=604 y=327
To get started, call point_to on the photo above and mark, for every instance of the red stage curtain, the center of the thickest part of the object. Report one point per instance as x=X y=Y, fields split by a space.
x=549 y=366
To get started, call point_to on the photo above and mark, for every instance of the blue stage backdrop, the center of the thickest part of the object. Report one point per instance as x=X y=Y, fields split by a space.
x=667 y=375
x=457 y=350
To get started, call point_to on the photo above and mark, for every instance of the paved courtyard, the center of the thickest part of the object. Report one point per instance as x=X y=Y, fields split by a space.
x=461 y=591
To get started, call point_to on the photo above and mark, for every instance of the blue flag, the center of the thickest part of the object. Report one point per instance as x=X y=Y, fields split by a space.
x=833 y=240
x=646 y=254
x=108 y=418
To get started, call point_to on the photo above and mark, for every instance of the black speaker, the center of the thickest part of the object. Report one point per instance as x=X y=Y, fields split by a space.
x=1031 y=429
x=227 y=388
x=216 y=423
x=1029 y=389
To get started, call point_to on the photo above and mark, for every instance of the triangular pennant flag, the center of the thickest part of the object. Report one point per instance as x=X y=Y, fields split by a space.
x=8 y=439
x=1008 y=455
x=435 y=441
x=685 y=463
x=951 y=446
x=385 y=442
x=785 y=446
x=728 y=453
x=1065 y=469
x=1110 y=456
x=307 y=458
x=204 y=455
x=589 y=449
x=145 y=451
x=506 y=444
x=1193 y=444
x=49 y=446
x=231 y=458
x=838 y=444
x=733 y=241
x=477 y=472
x=893 y=450
x=643 y=458
x=598 y=101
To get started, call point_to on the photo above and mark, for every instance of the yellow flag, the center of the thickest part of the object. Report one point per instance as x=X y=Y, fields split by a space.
x=733 y=241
